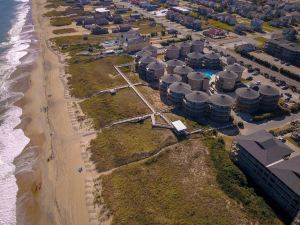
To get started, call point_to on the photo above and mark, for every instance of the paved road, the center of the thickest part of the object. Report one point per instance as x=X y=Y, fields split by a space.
x=272 y=124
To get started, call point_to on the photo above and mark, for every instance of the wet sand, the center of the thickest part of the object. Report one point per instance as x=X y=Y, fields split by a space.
x=54 y=191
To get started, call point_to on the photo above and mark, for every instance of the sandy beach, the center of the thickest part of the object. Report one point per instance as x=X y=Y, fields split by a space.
x=55 y=192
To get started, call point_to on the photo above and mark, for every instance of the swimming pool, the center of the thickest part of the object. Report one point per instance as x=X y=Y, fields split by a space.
x=208 y=73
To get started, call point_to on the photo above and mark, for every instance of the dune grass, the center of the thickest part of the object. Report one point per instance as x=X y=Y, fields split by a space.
x=126 y=143
x=89 y=77
x=55 y=13
x=176 y=187
x=64 y=31
x=61 y=21
x=105 y=108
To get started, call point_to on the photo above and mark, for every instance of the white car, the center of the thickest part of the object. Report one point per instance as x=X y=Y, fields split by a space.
x=258 y=82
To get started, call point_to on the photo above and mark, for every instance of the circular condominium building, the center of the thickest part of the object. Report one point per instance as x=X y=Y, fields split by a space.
x=171 y=64
x=185 y=49
x=269 y=97
x=198 y=81
x=220 y=107
x=177 y=91
x=172 y=52
x=195 y=60
x=247 y=100
x=155 y=71
x=236 y=68
x=196 y=104
x=166 y=80
x=183 y=71
x=226 y=80
x=142 y=65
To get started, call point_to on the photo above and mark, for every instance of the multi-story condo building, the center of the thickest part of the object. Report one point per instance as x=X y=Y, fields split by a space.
x=268 y=162
x=283 y=49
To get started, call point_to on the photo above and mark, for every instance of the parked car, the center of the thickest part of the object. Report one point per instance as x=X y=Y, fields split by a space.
x=285 y=87
x=258 y=82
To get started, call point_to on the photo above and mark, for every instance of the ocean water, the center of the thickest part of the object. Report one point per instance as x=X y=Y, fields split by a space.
x=16 y=37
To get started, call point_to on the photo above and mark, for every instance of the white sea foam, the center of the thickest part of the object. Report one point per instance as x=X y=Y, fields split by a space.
x=12 y=141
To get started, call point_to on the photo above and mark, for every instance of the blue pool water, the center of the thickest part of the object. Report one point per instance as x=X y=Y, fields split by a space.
x=208 y=73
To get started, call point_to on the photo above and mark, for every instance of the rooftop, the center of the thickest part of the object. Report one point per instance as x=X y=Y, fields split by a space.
x=197 y=96
x=101 y=10
x=264 y=147
x=247 y=93
x=179 y=126
x=288 y=171
x=268 y=90
x=170 y=78
x=221 y=100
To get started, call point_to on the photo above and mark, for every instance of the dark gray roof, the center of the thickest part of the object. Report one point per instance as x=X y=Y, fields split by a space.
x=248 y=93
x=264 y=147
x=212 y=55
x=288 y=172
x=143 y=53
x=150 y=48
x=268 y=90
x=197 y=96
x=156 y=65
x=235 y=68
x=196 y=76
x=228 y=75
x=147 y=59
x=221 y=100
x=185 y=44
x=172 y=47
x=280 y=41
x=198 y=42
x=181 y=70
x=180 y=87
x=195 y=55
x=175 y=62
x=170 y=78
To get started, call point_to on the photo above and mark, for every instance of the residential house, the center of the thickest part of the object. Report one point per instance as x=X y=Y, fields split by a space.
x=133 y=41
x=257 y=24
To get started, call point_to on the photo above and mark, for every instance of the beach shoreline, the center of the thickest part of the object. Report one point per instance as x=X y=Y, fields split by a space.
x=52 y=191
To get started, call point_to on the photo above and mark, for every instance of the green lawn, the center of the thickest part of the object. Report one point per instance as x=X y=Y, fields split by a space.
x=145 y=28
x=105 y=108
x=126 y=143
x=176 y=187
x=218 y=24
x=90 y=77
x=268 y=28
x=261 y=41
